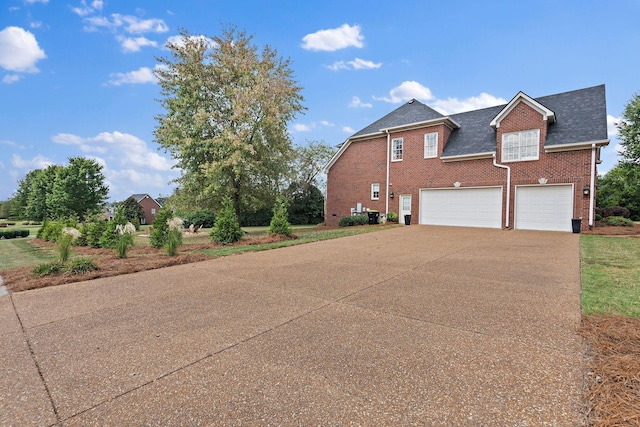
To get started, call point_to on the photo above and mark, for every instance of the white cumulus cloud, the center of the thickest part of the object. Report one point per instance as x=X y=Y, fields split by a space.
x=348 y=129
x=130 y=44
x=37 y=1
x=10 y=78
x=357 y=103
x=356 y=64
x=142 y=75
x=406 y=91
x=128 y=23
x=334 y=39
x=38 y=162
x=180 y=41
x=455 y=105
x=612 y=125
x=19 y=50
x=299 y=127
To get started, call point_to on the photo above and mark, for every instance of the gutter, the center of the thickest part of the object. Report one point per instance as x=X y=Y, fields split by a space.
x=592 y=185
x=386 y=207
x=506 y=225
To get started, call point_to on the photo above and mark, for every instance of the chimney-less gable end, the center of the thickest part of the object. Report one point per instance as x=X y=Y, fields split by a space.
x=547 y=115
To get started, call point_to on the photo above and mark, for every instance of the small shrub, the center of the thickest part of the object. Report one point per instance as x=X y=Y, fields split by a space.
x=124 y=239
x=91 y=233
x=392 y=217
x=51 y=230
x=160 y=233
x=65 y=240
x=174 y=235
x=598 y=217
x=615 y=211
x=279 y=222
x=618 y=221
x=348 y=221
x=81 y=266
x=49 y=268
x=226 y=228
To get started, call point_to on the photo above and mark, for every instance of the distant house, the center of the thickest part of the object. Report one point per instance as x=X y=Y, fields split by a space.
x=529 y=164
x=150 y=207
x=107 y=212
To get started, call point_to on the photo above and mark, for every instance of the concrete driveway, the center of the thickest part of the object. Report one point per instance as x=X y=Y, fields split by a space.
x=410 y=326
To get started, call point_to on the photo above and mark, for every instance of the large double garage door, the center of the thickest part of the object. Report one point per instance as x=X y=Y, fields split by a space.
x=544 y=207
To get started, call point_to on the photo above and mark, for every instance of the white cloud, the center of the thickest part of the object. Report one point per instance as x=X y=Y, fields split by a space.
x=299 y=127
x=19 y=50
x=123 y=148
x=97 y=4
x=357 y=103
x=406 y=91
x=38 y=162
x=334 y=39
x=356 y=64
x=180 y=42
x=84 y=9
x=414 y=90
x=10 y=78
x=142 y=75
x=612 y=123
x=35 y=24
x=455 y=105
x=37 y=1
x=130 y=24
x=348 y=129
x=135 y=44
x=326 y=123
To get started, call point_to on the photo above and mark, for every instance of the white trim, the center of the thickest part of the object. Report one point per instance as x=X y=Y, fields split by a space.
x=463 y=157
x=386 y=198
x=576 y=146
x=548 y=115
x=393 y=149
x=520 y=133
x=448 y=122
x=373 y=197
x=437 y=136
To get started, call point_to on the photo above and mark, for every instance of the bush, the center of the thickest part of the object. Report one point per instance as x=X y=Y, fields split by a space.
x=279 y=223
x=226 y=229
x=615 y=211
x=51 y=230
x=598 y=217
x=91 y=232
x=392 y=217
x=257 y=218
x=349 y=221
x=174 y=236
x=203 y=217
x=81 y=266
x=160 y=232
x=49 y=268
x=618 y=221
x=124 y=239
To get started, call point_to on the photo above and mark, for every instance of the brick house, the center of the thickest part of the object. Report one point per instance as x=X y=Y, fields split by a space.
x=150 y=207
x=529 y=164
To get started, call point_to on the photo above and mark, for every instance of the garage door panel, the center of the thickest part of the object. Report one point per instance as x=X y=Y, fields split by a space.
x=546 y=207
x=465 y=207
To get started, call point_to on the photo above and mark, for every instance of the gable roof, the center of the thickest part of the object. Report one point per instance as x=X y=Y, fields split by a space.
x=139 y=197
x=576 y=118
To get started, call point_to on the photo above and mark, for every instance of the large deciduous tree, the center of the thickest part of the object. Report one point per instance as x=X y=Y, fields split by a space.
x=227 y=107
x=79 y=189
x=308 y=162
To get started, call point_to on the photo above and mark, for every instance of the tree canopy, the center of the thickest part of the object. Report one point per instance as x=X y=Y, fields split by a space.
x=629 y=130
x=227 y=107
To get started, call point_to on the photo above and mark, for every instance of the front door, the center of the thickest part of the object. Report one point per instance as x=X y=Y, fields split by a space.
x=405 y=207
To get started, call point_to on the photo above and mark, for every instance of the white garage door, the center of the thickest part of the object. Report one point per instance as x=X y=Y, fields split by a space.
x=544 y=207
x=465 y=207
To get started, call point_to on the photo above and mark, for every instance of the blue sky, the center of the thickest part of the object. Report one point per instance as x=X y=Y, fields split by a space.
x=76 y=75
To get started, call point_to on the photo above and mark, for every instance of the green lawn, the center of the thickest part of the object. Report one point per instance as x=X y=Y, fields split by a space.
x=20 y=252
x=610 y=275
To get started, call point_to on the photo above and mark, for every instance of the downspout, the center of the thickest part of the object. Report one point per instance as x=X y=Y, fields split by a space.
x=506 y=222
x=386 y=207
x=592 y=185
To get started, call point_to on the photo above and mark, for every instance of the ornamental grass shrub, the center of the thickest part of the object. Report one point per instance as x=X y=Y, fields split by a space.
x=174 y=235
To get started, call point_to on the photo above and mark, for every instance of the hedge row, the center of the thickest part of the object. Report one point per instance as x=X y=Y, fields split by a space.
x=12 y=234
x=348 y=221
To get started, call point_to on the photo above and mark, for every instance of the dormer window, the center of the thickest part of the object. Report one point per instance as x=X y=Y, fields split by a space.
x=396 y=149
x=521 y=146
x=431 y=145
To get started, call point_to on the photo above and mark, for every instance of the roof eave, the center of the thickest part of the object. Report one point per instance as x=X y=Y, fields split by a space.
x=576 y=146
x=447 y=121
x=472 y=156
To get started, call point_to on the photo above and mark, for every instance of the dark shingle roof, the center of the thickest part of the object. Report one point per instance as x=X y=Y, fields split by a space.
x=411 y=112
x=581 y=116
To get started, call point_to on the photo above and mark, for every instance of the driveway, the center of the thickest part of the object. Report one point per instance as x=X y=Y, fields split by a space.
x=416 y=325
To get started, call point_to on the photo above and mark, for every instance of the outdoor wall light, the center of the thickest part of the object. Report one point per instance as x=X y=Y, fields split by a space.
x=391 y=194
x=586 y=190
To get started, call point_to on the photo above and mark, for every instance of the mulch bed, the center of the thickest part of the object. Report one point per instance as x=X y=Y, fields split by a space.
x=606 y=230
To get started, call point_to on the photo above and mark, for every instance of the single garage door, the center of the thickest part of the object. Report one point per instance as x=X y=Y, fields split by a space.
x=464 y=207
x=544 y=207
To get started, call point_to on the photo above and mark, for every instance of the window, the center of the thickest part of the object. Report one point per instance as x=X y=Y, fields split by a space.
x=153 y=211
x=375 y=191
x=396 y=149
x=431 y=145
x=520 y=145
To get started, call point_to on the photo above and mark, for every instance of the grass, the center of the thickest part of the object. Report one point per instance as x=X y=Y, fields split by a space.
x=610 y=275
x=20 y=252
